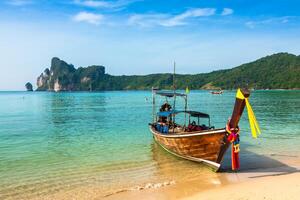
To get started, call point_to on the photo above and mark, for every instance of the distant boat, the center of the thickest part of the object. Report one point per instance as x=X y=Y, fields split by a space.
x=155 y=88
x=217 y=92
x=200 y=142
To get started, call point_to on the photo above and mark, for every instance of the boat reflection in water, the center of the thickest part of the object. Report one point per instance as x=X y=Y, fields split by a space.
x=186 y=175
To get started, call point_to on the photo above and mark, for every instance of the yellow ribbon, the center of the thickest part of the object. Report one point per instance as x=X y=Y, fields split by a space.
x=187 y=90
x=255 y=130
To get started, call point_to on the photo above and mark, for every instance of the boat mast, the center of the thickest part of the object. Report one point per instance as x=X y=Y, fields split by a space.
x=153 y=104
x=174 y=91
x=174 y=87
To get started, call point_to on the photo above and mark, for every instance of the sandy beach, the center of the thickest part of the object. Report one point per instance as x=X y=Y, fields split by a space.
x=273 y=177
x=273 y=183
x=286 y=186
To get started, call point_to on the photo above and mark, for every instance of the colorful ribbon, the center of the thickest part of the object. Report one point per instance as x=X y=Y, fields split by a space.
x=235 y=149
x=255 y=130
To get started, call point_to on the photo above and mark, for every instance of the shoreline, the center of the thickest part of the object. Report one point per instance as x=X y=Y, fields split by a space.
x=265 y=171
x=281 y=182
x=268 y=183
x=138 y=90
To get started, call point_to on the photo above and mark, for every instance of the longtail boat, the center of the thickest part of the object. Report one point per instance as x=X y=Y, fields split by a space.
x=192 y=141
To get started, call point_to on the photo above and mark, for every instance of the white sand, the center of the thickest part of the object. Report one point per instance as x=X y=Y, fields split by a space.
x=268 y=187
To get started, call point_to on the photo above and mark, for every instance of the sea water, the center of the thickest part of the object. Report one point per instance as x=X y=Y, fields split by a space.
x=55 y=142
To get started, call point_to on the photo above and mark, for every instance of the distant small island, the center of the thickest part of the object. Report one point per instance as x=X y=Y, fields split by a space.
x=277 y=71
x=29 y=86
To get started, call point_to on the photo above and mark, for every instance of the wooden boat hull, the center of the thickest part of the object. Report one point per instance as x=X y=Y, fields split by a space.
x=206 y=146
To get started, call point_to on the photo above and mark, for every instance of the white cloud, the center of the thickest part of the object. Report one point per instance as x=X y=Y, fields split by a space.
x=179 y=19
x=250 y=24
x=227 y=11
x=270 y=21
x=88 y=18
x=19 y=2
x=199 y=12
x=104 y=4
x=91 y=3
x=168 y=20
x=146 y=20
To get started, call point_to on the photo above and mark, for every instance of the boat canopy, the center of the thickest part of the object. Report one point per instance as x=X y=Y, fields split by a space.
x=175 y=112
x=168 y=113
x=170 y=94
x=197 y=114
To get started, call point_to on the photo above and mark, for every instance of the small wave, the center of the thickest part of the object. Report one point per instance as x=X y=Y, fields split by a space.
x=143 y=187
x=153 y=185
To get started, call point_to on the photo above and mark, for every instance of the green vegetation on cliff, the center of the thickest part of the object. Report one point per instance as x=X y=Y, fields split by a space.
x=280 y=70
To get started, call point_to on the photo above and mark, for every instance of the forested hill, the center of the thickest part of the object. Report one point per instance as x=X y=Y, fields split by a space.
x=278 y=71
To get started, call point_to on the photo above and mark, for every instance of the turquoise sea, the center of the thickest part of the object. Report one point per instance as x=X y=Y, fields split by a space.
x=55 y=142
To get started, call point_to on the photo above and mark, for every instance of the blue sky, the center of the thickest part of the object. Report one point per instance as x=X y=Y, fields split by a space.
x=142 y=36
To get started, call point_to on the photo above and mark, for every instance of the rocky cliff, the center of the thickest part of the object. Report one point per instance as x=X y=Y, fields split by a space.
x=64 y=77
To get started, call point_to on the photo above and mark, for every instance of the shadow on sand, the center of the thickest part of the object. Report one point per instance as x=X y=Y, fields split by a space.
x=268 y=165
x=253 y=164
